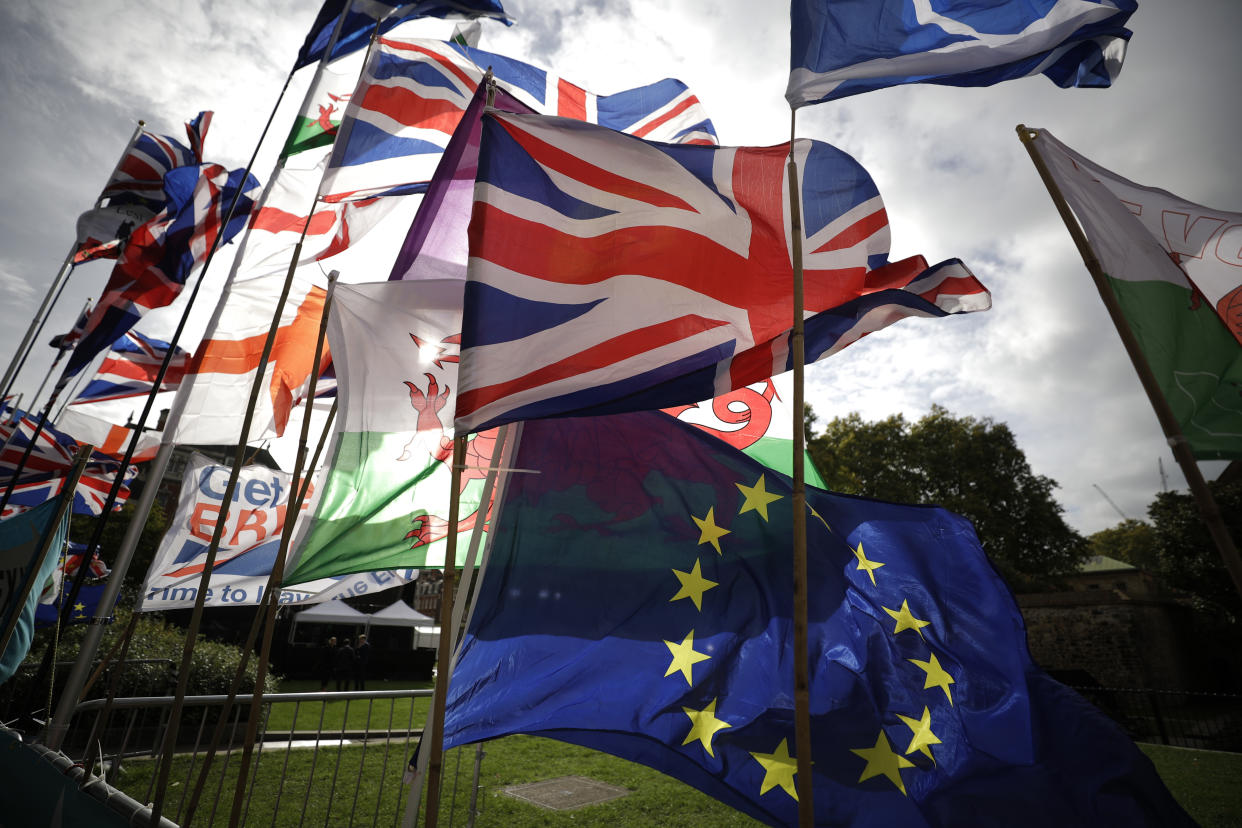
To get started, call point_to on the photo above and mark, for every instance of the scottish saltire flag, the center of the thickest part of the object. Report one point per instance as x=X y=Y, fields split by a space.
x=161 y=254
x=608 y=273
x=413 y=93
x=362 y=16
x=1163 y=256
x=844 y=48
x=43 y=476
x=21 y=540
x=641 y=604
x=130 y=368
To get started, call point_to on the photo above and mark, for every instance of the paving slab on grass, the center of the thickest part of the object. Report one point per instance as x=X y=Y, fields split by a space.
x=565 y=793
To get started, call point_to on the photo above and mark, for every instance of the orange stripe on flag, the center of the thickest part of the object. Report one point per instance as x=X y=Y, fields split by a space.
x=292 y=352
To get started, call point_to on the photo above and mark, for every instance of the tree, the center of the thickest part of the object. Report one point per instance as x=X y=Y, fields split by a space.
x=1132 y=541
x=1187 y=558
x=82 y=529
x=969 y=466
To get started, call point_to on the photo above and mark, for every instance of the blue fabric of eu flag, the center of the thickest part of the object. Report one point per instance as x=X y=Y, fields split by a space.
x=638 y=600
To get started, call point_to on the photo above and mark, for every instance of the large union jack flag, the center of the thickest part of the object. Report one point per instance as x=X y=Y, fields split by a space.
x=48 y=465
x=161 y=254
x=413 y=93
x=608 y=273
x=130 y=368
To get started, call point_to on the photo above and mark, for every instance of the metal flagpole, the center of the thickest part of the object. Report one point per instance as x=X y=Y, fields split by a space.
x=90 y=644
x=1208 y=509
x=196 y=614
x=802 y=682
x=60 y=354
x=53 y=291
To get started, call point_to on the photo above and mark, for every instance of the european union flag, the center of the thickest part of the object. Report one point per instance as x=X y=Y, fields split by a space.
x=638 y=601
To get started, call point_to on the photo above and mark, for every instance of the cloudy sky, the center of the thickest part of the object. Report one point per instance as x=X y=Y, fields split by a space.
x=78 y=75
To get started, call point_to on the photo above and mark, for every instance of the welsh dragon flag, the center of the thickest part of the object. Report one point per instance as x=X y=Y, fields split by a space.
x=1176 y=268
x=385 y=501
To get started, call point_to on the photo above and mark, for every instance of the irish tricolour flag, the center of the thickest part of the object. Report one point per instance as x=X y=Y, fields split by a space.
x=1176 y=268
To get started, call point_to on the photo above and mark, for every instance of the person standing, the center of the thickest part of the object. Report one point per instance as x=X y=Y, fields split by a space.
x=362 y=655
x=344 y=665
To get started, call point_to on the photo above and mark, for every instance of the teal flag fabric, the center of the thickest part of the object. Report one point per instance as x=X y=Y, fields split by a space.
x=21 y=538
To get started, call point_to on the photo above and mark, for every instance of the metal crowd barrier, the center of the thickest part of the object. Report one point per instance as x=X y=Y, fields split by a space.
x=1208 y=721
x=321 y=758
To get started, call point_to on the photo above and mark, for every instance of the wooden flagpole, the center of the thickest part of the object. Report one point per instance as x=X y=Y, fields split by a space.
x=66 y=501
x=802 y=683
x=1208 y=509
x=57 y=285
x=436 y=720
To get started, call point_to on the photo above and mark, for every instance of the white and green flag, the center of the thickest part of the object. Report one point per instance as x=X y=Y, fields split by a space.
x=384 y=503
x=1176 y=268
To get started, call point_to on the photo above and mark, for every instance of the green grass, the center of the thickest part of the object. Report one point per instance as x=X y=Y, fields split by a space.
x=368 y=779
x=351 y=715
x=1208 y=784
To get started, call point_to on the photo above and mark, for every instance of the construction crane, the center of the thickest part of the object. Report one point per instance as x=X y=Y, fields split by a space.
x=1116 y=508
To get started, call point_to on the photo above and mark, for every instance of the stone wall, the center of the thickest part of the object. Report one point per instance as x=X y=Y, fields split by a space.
x=1115 y=640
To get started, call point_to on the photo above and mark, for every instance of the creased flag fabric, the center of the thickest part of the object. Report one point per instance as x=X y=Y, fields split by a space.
x=135 y=192
x=140 y=175
x=67 y=340
x=317 y=125
x=213 y=396
x=162 y=253
x=20 y=541
x=1156 y=249
x=49 y=464
x=413 y=93
x=130 y=368
x=362 y=15
x=608 y=273
x=845 y=48
x=638 y=601
x=248 y=546
x=85 y=426
x=384 y=503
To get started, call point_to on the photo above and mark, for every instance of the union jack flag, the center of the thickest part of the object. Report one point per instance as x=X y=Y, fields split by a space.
x=43 y=476
x=65 y=341
x=161 y=254
x=413 y=93
x=140 y=175
x=130 y=368
x=608 y=273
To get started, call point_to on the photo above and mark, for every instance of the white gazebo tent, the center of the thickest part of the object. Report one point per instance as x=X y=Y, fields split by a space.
x=330 y=612
x=401 y=614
